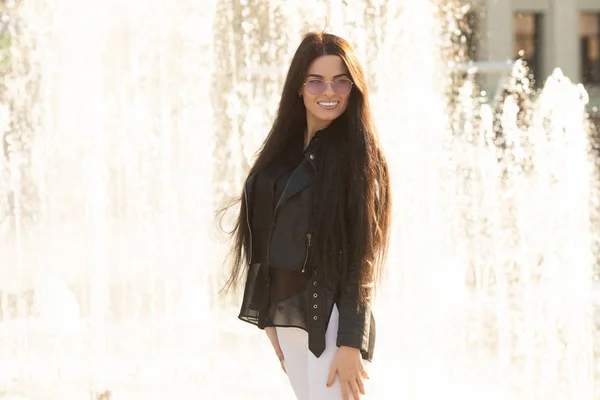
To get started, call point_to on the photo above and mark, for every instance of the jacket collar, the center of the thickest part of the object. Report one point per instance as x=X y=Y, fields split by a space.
x=311 y=151
x=314 y=141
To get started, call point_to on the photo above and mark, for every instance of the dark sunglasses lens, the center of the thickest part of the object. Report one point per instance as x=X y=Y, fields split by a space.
x=315 y=86
x=342 y=86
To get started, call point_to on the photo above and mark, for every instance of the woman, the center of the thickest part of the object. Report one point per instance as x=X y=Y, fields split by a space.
x=313 y=224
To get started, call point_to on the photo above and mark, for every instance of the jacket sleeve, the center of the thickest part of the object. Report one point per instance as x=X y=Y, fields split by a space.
x=354 y=324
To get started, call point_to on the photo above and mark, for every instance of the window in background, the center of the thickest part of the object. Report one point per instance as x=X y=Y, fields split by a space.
x=527 y=44
x=589 y=32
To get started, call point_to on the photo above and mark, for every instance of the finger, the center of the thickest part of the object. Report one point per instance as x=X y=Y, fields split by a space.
x=364 y=374
x=331 y=376
x=354 y=388
x=361 y=385
x=345 y=390
x=283 y=367
x=279 y=354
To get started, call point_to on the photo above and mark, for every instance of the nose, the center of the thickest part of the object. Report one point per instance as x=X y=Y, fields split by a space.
x=329 y=89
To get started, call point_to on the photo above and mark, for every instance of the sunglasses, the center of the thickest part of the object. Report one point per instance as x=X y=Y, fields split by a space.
x=339 y=86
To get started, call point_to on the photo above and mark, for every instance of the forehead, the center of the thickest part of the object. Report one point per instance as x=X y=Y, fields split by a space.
x=327 y=66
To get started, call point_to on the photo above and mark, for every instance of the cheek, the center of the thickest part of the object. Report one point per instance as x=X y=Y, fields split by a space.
x=345 y=103
x=309 y=100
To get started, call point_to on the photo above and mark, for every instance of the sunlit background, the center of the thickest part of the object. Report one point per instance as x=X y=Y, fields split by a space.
x=125 y=124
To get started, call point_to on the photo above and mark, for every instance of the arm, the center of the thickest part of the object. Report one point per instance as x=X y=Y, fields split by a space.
x=354 y=324
x=355 y=319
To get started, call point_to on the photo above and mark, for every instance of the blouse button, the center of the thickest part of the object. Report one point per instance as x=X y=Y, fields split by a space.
x=315 y=317
x=315 y=283
x=315 y=295
x=311 y=156
x=315 y=306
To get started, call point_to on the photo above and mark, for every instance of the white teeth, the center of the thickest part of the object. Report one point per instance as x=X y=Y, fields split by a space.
x=328 y=103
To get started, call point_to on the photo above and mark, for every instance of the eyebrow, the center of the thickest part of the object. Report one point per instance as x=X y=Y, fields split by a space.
x=322 y=77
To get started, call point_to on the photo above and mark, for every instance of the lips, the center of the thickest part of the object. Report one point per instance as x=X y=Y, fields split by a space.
x=328 y=105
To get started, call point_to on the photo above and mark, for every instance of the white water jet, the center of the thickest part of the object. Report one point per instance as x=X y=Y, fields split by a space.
x=130 y=122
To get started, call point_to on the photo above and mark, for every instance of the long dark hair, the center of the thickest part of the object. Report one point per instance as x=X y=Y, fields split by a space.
x=351 y=193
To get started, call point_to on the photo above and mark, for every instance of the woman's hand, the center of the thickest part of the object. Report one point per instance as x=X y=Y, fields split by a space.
x=349 y=366
x=272 y=335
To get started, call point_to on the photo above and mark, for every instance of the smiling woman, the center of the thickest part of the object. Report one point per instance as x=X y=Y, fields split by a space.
x=313 y=225
x=326 y=91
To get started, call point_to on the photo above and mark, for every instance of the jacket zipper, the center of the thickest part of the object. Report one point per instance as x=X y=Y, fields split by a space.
x=249 y=228
x=269 y=238
x=308 y=236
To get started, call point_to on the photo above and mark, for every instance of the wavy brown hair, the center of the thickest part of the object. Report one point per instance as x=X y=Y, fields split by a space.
x=351 y=190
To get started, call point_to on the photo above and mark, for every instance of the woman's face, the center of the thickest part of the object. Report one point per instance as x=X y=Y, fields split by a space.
x=325 y=101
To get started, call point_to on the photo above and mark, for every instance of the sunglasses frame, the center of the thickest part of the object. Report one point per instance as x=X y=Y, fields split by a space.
x=329 y=83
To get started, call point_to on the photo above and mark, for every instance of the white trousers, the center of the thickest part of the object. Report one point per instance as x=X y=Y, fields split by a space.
x=307 y=373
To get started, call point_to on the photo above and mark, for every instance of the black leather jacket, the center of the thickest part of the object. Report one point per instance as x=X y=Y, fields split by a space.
x=289 y=246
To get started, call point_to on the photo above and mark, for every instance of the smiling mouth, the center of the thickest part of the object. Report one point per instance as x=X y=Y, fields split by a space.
x=328 y=104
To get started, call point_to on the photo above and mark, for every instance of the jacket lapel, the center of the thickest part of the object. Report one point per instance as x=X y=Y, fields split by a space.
x=299 y=179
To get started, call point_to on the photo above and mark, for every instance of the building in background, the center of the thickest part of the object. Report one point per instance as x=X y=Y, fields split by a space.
x=546 y=33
